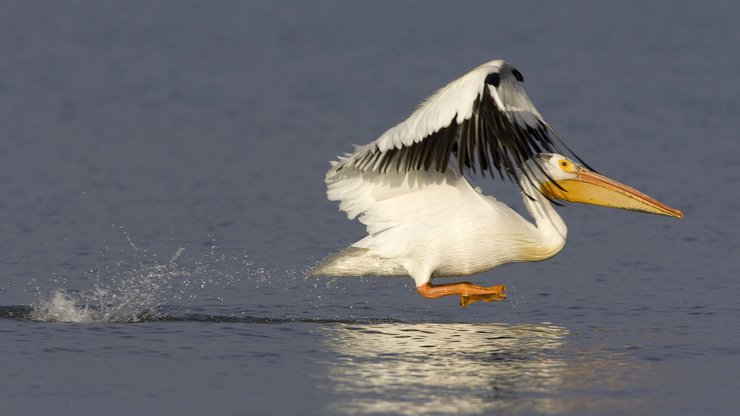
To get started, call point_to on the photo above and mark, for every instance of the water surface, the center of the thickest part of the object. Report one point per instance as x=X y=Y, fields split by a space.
x=161 y=172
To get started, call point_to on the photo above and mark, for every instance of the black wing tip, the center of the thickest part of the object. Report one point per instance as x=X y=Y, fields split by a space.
x=490 y=134
x=494 y=79
x=518 y=75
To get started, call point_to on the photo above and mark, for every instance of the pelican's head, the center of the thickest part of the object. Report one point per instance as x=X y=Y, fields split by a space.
x=563 y=179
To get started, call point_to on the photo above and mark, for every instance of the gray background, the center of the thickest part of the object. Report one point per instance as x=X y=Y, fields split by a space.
x=169 y=157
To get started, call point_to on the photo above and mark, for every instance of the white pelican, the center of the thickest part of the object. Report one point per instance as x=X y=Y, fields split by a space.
x=424 y=219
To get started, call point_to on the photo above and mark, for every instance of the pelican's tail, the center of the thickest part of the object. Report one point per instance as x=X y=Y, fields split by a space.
x=355 y=261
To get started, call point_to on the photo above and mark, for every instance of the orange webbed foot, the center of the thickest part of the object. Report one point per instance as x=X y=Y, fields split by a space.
x=497 y=293
x=467 y=291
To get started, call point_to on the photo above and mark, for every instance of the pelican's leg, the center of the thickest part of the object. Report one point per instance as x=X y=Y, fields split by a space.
x=468 y=292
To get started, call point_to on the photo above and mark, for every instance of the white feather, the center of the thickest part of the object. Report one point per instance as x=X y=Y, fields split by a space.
x=456 y=102
x=428 y=223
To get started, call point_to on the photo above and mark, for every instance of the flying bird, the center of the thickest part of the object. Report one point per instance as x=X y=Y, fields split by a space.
x=426 y=221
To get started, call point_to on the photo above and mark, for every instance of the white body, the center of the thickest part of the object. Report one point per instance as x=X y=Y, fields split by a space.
x=428 y=224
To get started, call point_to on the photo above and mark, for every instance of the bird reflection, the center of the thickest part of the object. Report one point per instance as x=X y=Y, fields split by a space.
x=445 y=368
x=416 y=369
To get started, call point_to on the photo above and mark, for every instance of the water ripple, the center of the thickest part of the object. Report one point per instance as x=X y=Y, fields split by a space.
x=65 y=311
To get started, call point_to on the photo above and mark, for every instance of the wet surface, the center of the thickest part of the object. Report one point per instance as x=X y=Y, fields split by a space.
x=161 y=174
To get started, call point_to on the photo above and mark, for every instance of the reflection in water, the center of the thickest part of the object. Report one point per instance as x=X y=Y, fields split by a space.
x=416 y=369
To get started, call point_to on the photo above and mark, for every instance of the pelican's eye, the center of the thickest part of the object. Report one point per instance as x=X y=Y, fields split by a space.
x=566 y=165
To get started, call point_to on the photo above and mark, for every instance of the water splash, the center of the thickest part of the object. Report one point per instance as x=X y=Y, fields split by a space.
x=61 y=308
x=137 y=294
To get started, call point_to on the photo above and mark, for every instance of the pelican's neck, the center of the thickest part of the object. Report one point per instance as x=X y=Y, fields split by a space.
x=550 y=226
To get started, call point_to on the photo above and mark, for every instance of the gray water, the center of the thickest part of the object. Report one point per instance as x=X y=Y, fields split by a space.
x=162 y=197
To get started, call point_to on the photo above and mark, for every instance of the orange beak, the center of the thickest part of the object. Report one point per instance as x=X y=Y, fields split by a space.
x=591 y=188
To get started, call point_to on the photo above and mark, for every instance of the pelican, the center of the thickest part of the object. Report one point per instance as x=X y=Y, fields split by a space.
x=426 y=221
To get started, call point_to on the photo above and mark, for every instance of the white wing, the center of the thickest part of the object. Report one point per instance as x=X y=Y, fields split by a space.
x=484 y=114
x=418 y=210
